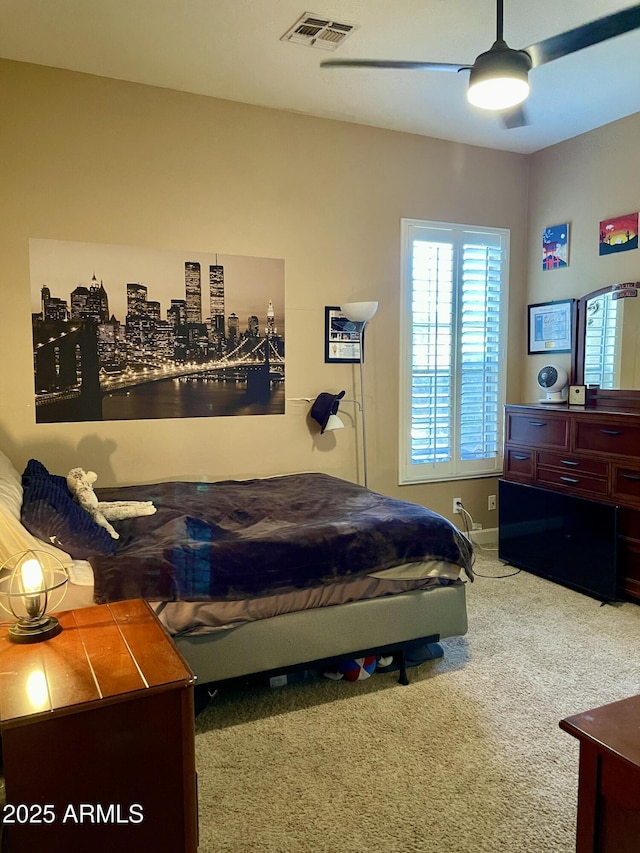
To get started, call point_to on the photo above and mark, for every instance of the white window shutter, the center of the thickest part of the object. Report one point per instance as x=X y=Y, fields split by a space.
x=454 y=294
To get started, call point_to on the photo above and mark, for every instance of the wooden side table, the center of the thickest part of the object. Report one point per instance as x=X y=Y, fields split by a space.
x=609 y=777
x=97 y=730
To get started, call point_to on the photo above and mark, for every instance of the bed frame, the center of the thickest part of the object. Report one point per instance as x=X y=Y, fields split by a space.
x=313 y=637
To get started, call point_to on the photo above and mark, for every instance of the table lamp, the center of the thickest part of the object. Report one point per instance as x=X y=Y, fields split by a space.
x=31 y=582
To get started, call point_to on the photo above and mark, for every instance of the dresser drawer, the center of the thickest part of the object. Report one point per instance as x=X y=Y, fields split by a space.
x=518 y=463
x=603 y=437
x=572 y=481
x=566 y=462
x=538 y=430
x=626 y=484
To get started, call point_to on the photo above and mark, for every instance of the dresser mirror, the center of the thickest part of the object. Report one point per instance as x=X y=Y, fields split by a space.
x=607 y=352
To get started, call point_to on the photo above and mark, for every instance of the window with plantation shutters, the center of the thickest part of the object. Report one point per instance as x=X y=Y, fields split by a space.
x=454 y=290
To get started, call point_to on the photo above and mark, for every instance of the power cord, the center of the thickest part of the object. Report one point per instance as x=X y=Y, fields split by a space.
x=468 y=530
x=468 y=527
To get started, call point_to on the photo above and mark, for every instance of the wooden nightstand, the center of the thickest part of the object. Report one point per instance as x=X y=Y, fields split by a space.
x=609 y=782
x=98 y=736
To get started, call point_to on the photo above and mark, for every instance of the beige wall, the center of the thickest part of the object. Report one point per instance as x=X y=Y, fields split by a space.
x=96 y=160
x=581 y=181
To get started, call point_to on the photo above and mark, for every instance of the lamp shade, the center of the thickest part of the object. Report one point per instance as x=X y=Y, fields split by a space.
x=499 y=78
x=30 y=583
x=359 y=312
x=334 y=422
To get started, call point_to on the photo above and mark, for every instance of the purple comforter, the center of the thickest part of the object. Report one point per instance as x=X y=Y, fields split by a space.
x=233 y=539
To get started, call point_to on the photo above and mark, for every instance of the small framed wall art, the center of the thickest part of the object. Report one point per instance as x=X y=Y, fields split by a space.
x=341 y=337
x=551 y=326
x=618 y=234
x=555 y=247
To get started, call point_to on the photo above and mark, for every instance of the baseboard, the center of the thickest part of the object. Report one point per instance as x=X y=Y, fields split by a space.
x=486 y=536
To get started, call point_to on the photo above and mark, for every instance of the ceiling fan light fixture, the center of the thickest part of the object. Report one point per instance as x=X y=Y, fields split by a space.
x=499 y=78
x=498 y=93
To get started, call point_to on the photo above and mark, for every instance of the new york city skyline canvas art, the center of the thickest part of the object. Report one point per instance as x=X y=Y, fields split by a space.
x=128 y=333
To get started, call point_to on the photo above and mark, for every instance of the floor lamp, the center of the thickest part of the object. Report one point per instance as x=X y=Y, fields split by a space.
x=361 y=313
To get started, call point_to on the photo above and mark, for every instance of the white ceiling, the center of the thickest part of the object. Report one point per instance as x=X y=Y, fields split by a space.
x=232 y=49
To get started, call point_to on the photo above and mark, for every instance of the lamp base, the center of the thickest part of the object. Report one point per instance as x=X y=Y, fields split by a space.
x=34 y=630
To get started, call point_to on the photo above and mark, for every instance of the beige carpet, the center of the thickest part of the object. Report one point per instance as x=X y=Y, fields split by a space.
x=468 y=758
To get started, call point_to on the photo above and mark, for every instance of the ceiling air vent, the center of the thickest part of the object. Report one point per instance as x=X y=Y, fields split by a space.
x=315 y=31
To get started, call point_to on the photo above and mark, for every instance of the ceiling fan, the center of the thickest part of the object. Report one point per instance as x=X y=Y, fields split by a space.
x=498 y=78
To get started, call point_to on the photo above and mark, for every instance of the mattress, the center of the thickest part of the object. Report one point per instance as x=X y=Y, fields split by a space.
x=202 y=617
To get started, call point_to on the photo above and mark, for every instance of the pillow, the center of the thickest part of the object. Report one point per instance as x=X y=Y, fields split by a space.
x=15 y=538
x=10 y=487
x=35 y=470
x=50 y=513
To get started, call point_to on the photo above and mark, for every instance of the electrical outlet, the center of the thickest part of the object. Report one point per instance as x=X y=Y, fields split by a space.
x=491 y=502
x=457 y=505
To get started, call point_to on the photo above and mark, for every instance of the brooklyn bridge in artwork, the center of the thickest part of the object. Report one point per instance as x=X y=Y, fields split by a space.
x=193 y=337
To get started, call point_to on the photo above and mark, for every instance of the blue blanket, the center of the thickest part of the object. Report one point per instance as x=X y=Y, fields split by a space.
x=234 y=539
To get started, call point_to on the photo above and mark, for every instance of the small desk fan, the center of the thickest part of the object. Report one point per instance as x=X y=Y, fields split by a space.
x=553 y=380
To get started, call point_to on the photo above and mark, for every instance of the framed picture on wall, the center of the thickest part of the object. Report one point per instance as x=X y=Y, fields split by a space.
x=555 y=247
x=551 y=326
x=130 y=370
x=341 y=337
x=619 y=234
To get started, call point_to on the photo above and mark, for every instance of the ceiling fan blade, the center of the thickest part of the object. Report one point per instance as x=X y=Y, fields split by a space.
x=592 y=33
x=515 y=117
x=390 y=63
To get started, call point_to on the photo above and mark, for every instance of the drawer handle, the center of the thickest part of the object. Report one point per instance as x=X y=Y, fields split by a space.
x=631 y=476
x=569 y=462
x=521 y=457
x=569 y=480
x=611 y=431
x=537 y=423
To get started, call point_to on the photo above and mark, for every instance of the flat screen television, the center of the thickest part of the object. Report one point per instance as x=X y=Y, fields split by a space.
x=566 y=539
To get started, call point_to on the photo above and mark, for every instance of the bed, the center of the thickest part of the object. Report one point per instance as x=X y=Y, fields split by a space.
x=266 y=575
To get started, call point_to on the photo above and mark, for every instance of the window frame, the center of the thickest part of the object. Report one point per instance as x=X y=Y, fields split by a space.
x=413 y=473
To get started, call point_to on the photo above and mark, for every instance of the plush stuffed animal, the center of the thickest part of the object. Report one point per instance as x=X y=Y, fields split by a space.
x=80 y=483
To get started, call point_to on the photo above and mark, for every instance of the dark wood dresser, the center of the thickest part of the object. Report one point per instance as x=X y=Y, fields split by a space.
x=588 y=453
x=98 y=737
